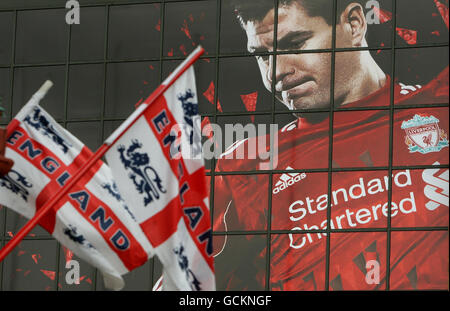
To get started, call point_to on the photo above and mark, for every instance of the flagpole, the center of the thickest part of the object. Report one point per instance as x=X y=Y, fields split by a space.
x=194 y=56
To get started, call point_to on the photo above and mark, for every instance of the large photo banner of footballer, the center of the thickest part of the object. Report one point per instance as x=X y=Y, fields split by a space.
x=361 y=151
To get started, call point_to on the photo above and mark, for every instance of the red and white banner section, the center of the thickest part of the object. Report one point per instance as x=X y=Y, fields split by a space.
x=92 y=219
x=155 y=157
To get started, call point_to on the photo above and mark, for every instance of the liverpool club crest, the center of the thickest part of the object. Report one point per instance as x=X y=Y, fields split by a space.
x=424 y=135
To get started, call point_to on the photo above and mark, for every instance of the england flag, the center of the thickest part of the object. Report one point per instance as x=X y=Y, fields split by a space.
x=155 y=157
x=92 y=219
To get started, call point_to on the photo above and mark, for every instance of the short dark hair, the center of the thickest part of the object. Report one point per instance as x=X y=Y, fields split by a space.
x=256 y=10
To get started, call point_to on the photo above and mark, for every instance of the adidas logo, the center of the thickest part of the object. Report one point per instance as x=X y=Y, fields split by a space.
x=406 y=89
x=287 y=180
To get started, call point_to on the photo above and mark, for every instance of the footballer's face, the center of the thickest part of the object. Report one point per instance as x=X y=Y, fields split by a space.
x=302 y=80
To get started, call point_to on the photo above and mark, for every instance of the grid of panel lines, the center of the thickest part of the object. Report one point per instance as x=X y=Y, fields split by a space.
x=91 y=69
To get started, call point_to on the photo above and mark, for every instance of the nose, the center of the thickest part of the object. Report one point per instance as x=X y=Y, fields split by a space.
x=283 y=69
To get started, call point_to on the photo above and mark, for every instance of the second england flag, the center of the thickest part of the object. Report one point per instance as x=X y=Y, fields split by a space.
x=157 y=164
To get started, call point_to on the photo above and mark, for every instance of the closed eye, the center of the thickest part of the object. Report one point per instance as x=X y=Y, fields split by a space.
x=294 y=40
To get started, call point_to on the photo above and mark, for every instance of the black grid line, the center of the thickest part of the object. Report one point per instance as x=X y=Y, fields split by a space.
x=11 y=96
x=270 y=181
x=223 y=55
x=102 y=119
x=66 y=98
x=292 y=231
x=330 y=148
x=161 y=78
x=272 y=112
x=215 y=102
x=391 y=147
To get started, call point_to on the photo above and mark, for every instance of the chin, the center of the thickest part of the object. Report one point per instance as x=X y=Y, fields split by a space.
x=311 y=103
x=304 y=103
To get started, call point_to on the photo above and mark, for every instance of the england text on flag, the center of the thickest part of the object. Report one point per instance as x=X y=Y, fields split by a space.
x=92 y=219
x=166 y=189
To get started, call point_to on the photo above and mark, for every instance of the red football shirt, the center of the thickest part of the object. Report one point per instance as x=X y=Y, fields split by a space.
x=359 y=198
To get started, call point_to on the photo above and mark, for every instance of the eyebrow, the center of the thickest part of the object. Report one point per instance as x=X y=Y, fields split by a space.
x=286 y=41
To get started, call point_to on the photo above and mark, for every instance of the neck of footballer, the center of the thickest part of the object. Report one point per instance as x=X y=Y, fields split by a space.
x=367 y=79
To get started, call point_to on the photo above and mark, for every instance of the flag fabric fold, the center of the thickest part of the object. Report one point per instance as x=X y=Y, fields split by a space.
x=155 y=157
x=92 y=220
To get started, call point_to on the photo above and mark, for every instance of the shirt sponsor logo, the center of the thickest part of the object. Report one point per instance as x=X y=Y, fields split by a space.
x=437 y=187
x=287 y=179
x=424 y=135
x=360 y=214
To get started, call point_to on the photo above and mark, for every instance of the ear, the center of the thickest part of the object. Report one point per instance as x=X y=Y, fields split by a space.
x=354 y=24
